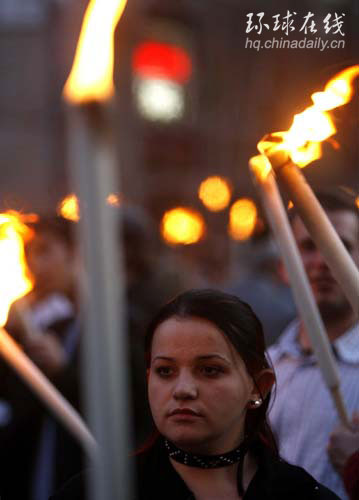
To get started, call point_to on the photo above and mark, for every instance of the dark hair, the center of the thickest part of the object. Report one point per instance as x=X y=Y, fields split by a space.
x=243 y=329
x=58 y=227
x=334 y=199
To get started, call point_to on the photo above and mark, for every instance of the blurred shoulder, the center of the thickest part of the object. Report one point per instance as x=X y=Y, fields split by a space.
x=283 y=480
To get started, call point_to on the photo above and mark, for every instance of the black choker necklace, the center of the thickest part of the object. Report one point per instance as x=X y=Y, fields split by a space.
x=206 y=461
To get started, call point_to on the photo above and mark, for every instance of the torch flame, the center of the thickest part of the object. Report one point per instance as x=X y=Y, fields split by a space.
x=68 y=208
x=15 y=281
x=92 y=70
x=242 y=219
x=182 y=226
x=261 y=166
x=302 y=142
x=338 y=90
x=114 y=200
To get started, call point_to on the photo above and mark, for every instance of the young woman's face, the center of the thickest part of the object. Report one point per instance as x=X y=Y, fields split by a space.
x=198 y=386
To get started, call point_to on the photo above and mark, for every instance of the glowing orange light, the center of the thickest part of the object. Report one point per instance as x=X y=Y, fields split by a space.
x=302 y=142
x=261 y=166
x=182 y=226
x=338 y=90
x=91 y=77
x=69 y=209
x=242 y=219
x=29 y=218
x=357 y=201
x=290 y=205
x=114 y=200
x=15 y=281
x=215 y=193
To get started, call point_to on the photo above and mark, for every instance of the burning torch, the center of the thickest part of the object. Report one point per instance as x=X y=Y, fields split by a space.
x=92 y=160
x=281 y=152
x=15 y=283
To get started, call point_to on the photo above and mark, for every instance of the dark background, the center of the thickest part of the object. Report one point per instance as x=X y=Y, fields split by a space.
x=234 y=97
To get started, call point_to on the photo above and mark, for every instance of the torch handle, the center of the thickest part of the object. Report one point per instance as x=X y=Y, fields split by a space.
x=322 y=231
x=37 y=381
x=301 y=290
x=302 y=293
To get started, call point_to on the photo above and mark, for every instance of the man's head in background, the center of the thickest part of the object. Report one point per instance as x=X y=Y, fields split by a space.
x=138 y=236
x=51 y=256
x=344 y=215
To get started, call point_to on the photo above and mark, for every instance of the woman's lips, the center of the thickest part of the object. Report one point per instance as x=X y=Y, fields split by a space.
x=184 y=412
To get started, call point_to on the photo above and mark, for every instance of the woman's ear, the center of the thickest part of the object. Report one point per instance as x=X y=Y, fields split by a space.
x=263 y=383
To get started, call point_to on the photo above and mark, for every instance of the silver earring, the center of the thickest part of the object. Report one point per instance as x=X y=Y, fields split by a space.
x=256 y=403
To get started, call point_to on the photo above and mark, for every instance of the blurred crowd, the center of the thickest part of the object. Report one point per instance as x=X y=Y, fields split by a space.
x=37 y=454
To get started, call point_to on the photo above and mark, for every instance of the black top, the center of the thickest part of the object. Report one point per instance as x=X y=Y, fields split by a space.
x=275 y=479
x=19 y=439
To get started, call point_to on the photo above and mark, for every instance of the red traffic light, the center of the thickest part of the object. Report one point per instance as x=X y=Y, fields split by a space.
x=162 y=61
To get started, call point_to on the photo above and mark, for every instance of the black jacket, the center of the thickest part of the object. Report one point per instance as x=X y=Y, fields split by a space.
x=275 y=479
x=19 y=439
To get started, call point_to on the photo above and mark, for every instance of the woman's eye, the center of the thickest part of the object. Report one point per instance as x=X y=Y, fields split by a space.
x=164 y=371
x=211 y=371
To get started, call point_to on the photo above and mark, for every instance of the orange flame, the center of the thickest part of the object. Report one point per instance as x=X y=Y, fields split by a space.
x=68 y=208
x=182 y=226
x=114 y=200
x=242 y=219
x=215 y=193
x=302 y=142
x=15 y=281
x=260 y=166
x=91 y=77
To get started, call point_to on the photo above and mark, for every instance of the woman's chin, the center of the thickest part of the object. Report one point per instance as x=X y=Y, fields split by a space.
x=192 y=444
x=186 y=440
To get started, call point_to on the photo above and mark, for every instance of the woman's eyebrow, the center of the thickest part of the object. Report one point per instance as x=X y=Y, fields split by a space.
x=210 y=356
x=200 y=358
x=166 y=358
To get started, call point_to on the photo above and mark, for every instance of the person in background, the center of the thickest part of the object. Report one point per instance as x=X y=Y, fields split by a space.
x=36 y=452
x=303 y=413
x=53 y=263
x=260 y=284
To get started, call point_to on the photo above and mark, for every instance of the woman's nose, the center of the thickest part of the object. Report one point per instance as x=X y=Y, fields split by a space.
x=185 y=387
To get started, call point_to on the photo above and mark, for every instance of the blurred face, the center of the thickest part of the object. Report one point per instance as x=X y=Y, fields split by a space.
x=198 y=386
x=327 y=292
x=51 y=262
